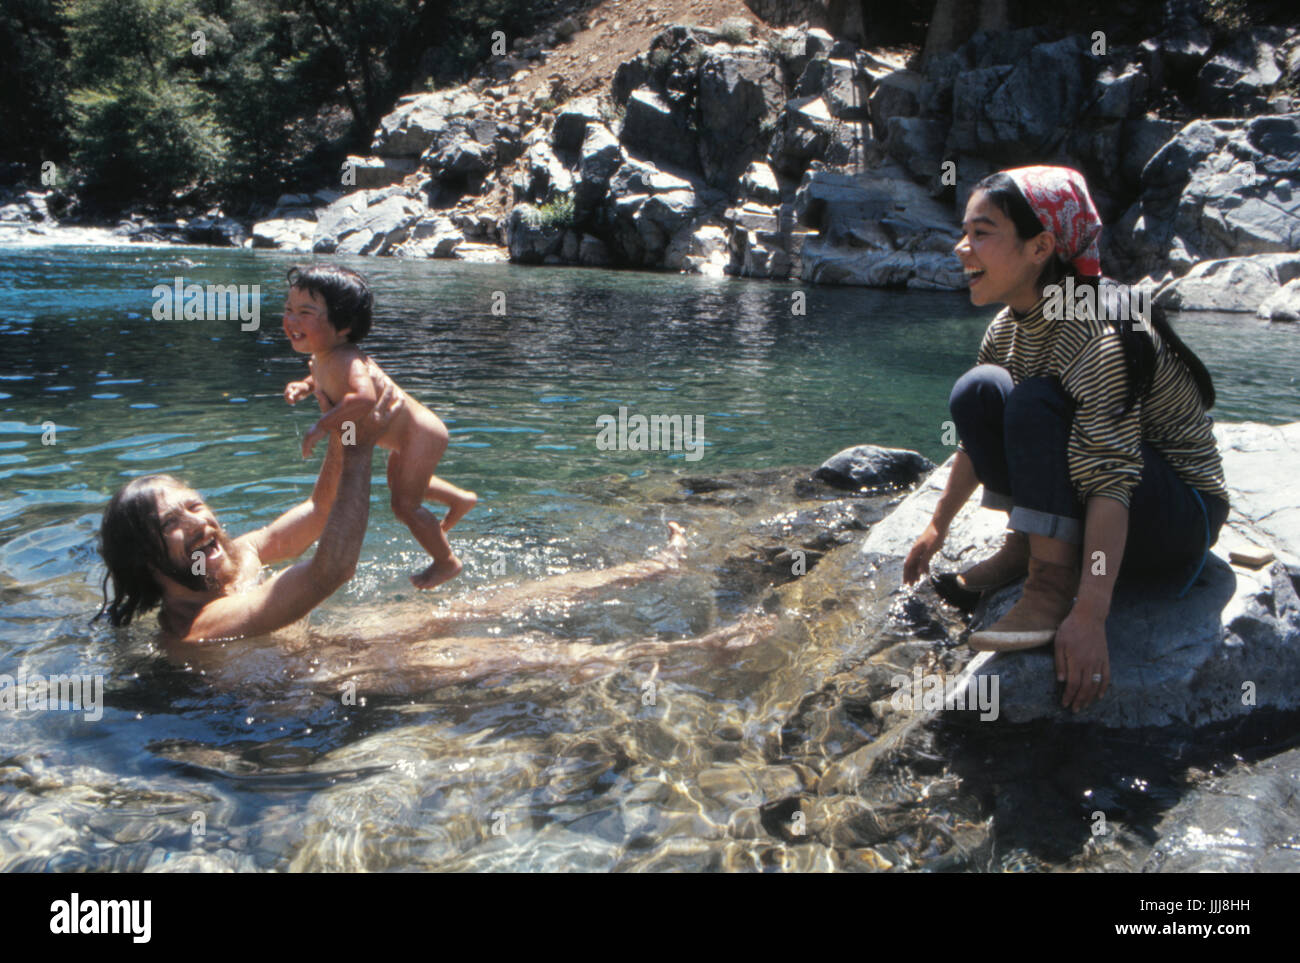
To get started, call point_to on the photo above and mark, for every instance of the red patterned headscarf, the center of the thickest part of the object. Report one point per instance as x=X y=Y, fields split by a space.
x=1060 y=198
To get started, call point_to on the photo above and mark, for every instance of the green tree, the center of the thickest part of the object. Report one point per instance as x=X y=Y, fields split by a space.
x=33 y=110
x=141 y=126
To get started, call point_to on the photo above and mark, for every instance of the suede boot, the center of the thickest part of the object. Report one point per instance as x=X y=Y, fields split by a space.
x=1034 y=619
x=1009 y=563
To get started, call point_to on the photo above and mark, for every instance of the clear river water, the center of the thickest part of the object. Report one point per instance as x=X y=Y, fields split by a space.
x=244 y=756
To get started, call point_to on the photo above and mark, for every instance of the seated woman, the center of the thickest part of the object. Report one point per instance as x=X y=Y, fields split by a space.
x=1091 y=432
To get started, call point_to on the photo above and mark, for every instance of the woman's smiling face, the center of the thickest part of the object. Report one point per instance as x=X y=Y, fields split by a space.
x=1000 y=267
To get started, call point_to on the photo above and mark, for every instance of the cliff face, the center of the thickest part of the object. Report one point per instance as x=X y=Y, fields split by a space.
x=621 y=137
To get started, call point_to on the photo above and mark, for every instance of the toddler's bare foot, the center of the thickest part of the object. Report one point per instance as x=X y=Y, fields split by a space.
x=437 y=573
x=458 y=510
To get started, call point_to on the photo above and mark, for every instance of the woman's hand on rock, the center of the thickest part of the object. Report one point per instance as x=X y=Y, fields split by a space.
x=1082 y=660
x=918 y=559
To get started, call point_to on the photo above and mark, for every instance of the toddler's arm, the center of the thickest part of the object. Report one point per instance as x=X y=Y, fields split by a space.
x=355 y=404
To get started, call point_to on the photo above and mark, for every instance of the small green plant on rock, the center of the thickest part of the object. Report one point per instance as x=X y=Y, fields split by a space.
x=555 y=213
x=736 y=30
x=612 y=114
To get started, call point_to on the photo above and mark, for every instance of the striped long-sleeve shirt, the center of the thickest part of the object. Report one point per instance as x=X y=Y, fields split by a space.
x=1088 y=358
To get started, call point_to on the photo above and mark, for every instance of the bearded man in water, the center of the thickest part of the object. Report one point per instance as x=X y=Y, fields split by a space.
x=163 y=546
x=156 y=530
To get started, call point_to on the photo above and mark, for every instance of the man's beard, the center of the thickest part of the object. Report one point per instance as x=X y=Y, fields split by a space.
x=206 y=582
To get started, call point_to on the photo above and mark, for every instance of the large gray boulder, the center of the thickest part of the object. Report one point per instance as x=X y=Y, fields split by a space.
x=368 y=172
x=897 y=94
x=647 y=207
x=471 y=147
x=1231 y=284
x=877 y=229
x=1220 y=188
x=759 y=182
x=600 y=156
x=544 y=175
x=1001 y=111
x=418 y=119
x=434 y=235
x=917 y=144
x=1231 y=646
x=529 y=238
x=870 y=467
x=284 y=233
x=738 y=97
x=845 y=87
x=1237 y=81
x=1244 y=822
x=808 y=132
x=1283 y=304
x=651 y=128
x=571 y=122
x=366 y=222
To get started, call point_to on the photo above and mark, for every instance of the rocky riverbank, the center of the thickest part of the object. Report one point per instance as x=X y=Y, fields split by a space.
x=1195 y=680
x=860 y=770
x=794 y=154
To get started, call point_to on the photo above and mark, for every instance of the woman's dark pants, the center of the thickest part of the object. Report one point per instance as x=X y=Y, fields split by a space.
x=1016 y=437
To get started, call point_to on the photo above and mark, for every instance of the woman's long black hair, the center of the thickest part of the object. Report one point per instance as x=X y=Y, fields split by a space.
x=1139 y=351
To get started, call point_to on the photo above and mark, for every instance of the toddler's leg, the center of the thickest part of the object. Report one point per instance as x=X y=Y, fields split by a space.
x=458 y=500
x=408 y=476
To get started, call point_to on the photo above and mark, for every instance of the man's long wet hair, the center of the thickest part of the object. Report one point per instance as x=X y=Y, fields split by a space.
x=1139 y=351
x=349 y=302
x=131 y=544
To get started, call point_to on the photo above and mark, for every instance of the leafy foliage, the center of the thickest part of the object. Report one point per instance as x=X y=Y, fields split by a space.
x=238 y=98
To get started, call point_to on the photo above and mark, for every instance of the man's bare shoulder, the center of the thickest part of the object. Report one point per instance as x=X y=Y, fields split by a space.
x=178 y=619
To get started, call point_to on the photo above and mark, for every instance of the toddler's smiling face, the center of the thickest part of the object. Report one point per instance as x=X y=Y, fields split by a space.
x=307 y=325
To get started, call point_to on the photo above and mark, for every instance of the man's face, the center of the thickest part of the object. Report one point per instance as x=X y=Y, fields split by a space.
x=196 y=544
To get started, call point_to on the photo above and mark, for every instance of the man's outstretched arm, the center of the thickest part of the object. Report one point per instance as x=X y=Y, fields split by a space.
x=293 y=532
x=288 y=596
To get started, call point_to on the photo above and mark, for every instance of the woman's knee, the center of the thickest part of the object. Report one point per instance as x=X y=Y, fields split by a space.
x=1037 y=402
x=977 y=385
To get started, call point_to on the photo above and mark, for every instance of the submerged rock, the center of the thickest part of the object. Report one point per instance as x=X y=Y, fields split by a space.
x=871 y=467
x=1245 y=822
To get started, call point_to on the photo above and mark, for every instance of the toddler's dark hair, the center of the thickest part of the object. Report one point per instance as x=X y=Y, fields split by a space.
x=346 y=295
